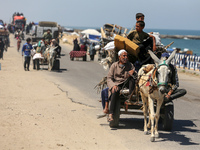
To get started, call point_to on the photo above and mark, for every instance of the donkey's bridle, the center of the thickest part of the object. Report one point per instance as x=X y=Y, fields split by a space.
x=162 y=83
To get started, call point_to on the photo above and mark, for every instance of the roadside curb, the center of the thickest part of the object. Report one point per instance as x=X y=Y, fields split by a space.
x=197 y=73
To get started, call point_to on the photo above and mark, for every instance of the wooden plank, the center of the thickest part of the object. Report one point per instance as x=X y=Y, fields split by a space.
x=103 y=35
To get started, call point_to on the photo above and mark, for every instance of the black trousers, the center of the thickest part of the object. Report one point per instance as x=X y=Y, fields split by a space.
x=130 y=83
x=1 y=53
x=177 y=93
x=36 y=64
x=27 y=62
x=91 y=57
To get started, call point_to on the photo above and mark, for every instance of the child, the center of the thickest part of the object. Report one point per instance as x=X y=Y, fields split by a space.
x=18 y=44
x=138 y=17
x=143 y=40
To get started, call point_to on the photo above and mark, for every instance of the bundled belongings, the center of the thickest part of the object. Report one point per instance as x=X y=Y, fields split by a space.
x=124 y=43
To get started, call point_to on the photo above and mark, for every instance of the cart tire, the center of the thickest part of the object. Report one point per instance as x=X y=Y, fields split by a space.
x=72 y=58
x=116 y=114
x=56 y=65
x=168 y=119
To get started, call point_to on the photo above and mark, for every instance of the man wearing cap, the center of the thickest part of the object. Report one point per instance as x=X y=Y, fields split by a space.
x=173 y=91
x=119 y=72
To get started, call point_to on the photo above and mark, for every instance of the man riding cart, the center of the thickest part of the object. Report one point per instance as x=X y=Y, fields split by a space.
x=120 y=72
x=47 y=54
x=137 y=52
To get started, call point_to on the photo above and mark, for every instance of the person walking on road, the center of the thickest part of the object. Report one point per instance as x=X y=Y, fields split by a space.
x=1 y=48
x=76 y=45
x=26 y=51
x=92 y=51
x=18 y=44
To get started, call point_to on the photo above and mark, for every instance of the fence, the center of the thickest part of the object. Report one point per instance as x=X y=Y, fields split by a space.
x=185 y=61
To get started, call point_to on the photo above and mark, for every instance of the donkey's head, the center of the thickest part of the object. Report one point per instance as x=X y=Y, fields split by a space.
x=162 y=70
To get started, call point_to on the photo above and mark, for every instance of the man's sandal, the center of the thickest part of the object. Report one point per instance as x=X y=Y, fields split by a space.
x=110 y=118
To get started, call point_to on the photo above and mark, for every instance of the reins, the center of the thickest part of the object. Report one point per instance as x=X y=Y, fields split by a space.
x=153 y=86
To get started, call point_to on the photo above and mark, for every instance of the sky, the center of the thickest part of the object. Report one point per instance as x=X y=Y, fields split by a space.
x=159 y=14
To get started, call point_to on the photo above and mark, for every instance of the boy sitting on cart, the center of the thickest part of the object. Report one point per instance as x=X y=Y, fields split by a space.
x=144 y=41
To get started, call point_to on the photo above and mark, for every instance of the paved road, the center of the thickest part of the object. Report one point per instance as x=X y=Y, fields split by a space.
x=78 y=79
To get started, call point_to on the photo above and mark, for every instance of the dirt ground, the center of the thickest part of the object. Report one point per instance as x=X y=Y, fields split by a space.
x=36 y=115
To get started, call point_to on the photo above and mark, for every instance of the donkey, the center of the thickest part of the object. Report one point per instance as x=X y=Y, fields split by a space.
x=49 y=56
x=152 y=86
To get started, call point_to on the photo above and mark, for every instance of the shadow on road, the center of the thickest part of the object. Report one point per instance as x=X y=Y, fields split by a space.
x=180 y=127
x=62 y=54
x=58 y=71
x=177 y=134
x=131 y=123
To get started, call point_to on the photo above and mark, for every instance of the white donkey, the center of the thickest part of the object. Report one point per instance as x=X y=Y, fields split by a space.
x=152 y=86
x=50 y=55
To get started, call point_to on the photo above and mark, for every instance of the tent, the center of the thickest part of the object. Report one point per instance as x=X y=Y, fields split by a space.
x=91 y=31
x=74 y=33
x=1 y=27
x=92 y=34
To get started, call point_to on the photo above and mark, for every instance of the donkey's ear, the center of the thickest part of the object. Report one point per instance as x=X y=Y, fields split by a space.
x=154 y=57
x=171 y=57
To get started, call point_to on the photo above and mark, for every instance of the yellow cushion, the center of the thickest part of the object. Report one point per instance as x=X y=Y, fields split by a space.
x=128 y=45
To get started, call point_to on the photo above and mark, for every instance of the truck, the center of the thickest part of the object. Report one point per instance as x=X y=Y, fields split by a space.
x=37 y=31
x=19 y=21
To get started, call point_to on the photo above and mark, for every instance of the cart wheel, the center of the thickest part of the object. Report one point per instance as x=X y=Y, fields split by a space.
x=115 y=122
x=168 y=116
x=56 y=65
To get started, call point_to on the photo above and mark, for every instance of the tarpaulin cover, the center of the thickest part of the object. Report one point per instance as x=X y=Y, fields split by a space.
x=18 y=17
x=110 y=46
x=91 y=31
x=94 y=37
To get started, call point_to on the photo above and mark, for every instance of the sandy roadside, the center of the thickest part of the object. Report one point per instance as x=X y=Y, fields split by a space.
x=35 y=114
